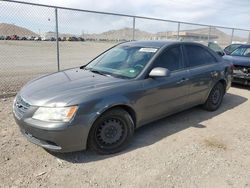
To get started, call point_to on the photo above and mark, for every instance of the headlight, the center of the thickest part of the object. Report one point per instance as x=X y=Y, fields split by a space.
x=60 y=114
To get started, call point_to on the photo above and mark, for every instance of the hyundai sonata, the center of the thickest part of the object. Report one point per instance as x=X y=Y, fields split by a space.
x=99 y=105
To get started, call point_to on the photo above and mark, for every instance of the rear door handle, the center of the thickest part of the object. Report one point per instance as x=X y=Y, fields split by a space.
x=182 y=80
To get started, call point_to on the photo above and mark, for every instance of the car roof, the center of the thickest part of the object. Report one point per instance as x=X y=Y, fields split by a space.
x=150 y=43
x=236 y=44
x=245 y=45
x=157 y=43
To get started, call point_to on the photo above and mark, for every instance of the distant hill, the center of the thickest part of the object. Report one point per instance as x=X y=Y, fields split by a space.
x=202 y=33
x=121 y=34
x=11 y=29
x=222 y=37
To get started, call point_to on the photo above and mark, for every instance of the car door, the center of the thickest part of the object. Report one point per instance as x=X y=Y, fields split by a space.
x=165 y=95
x=203 y=69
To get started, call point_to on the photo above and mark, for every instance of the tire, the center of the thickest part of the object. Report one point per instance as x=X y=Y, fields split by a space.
x=215 y=97
x=111 y=132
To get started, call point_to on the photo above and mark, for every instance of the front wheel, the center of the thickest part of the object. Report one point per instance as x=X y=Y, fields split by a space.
x=215 y=97
x=111 y=132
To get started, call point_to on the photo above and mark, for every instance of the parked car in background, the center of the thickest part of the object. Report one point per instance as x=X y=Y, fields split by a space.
x=14 y=37
x=23 y=38
x=230 y=48
x=72 y=39
x=52 y=39
x=7 y=38
x=30 y=38
x=37 y=38
x=45 y=39
x=99 y=105
x=80 y=39
x=2 y=37
x=240 y=58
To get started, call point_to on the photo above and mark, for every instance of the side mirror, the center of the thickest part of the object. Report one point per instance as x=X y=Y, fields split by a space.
x=220 y=53
x=159 y=72
x=226 y=52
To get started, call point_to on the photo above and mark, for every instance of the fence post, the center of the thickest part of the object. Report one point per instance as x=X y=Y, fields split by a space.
x=57 y=42
x=209 y=33
x=232 y=36
x=133 y=28
x=248 y=41
x=178 y=30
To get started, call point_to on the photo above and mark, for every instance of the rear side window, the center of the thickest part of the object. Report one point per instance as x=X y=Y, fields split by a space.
x=198 y=56
x=170 y=59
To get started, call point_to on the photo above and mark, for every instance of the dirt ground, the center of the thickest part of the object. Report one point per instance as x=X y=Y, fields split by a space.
x=194 y=148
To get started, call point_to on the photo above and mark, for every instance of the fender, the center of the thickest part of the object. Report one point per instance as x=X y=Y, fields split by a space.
x=111 y=102
x=214 y=83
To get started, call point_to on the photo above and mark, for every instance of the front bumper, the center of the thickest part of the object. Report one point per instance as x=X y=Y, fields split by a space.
x=62 y=138
x=54 y=136
x=241 y=78
x=241 y=75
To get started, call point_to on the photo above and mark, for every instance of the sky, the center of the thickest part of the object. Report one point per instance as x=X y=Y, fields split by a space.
x=228 y=13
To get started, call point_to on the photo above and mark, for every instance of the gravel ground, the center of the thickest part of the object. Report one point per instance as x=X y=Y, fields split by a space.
x=194 y=148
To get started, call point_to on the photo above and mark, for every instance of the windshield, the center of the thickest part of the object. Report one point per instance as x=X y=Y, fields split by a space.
x=241 y=51
x=122 y=61
x=229 y=49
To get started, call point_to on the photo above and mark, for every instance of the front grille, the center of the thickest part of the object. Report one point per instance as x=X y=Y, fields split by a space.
x=242 y=69
x=20 y=107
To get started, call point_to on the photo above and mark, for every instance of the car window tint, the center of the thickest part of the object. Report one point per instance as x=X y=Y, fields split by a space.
x=170 y=59
x=115 y=56
x=239 y=51
x=247 y=52
x=229 y=48
x=232 y=47
x=198 y=56
x=215 y=47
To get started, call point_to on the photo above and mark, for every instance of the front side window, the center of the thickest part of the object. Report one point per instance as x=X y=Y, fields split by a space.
x=198 y=56
x=170 y=59
x=122 y=61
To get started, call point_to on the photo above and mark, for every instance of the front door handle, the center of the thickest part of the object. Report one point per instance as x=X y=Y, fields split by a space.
x=182 y=80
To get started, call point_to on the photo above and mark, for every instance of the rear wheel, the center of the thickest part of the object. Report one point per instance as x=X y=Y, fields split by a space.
x=215 y=97
x=111 y=132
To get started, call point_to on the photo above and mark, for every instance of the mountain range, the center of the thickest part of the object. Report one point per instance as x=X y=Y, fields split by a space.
x=127 y=33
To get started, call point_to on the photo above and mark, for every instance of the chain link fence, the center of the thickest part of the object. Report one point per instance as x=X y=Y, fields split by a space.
x=39 y=39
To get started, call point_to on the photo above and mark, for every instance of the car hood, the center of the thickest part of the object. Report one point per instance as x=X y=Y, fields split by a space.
x=238 y=60
x=58 y=89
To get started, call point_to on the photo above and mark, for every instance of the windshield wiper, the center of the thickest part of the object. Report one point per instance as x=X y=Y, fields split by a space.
x=106 y=74
x=97 y=72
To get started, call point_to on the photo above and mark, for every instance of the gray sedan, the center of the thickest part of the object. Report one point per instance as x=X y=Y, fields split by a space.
x=101 y=104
